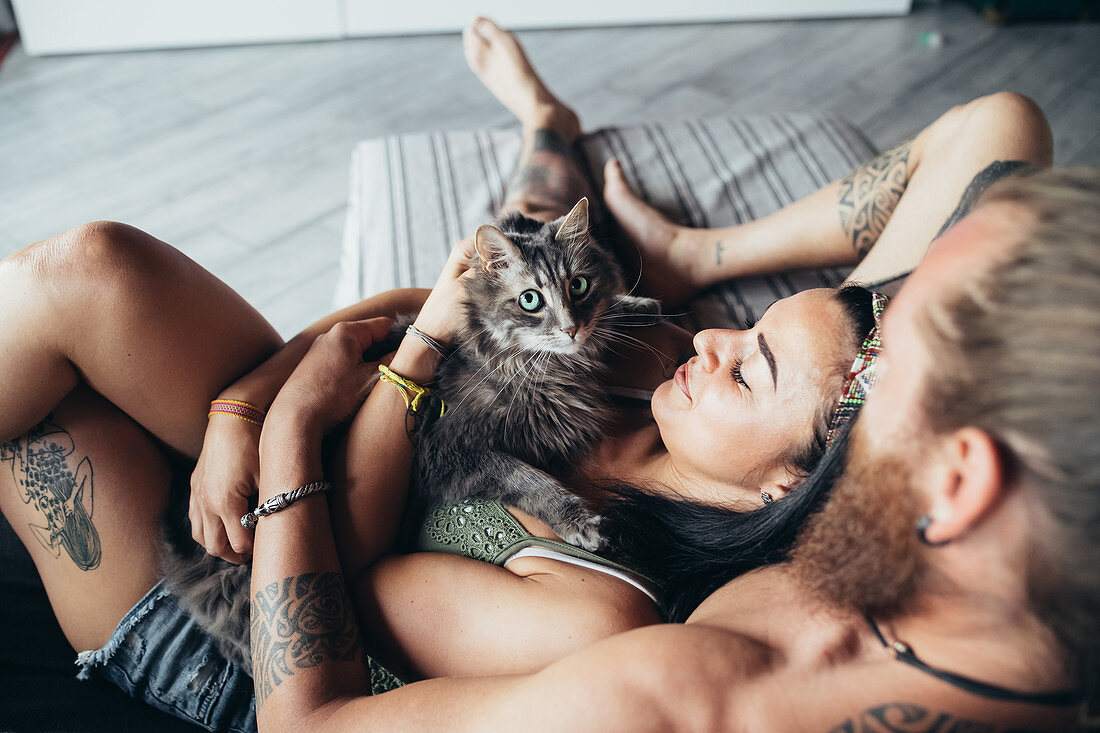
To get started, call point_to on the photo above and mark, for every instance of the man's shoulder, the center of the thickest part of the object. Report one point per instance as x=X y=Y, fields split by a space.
x=694 y=674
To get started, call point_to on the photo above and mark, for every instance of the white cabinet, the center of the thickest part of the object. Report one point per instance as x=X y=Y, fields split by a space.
x=371 y=17
x=77 y=26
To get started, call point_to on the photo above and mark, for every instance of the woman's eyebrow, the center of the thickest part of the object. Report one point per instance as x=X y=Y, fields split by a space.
x=769 y=357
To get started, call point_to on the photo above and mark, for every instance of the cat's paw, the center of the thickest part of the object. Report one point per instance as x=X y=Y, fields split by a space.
x=585 y=534
x=639 y=305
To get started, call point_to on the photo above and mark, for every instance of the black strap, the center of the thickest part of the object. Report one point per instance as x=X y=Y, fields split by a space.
x=973 y=686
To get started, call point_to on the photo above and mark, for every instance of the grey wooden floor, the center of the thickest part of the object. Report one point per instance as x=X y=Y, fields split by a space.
x=238 y=156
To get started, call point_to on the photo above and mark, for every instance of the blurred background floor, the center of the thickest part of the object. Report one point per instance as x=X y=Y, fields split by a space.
x=239 y=156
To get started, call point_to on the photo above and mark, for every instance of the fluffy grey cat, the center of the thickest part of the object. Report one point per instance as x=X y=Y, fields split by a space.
x=524 y=389
x=524 y=394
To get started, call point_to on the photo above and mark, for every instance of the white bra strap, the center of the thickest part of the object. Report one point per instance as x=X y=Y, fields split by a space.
x=561 y=556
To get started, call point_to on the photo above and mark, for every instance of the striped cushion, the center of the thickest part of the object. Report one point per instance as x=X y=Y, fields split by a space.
x=414 y=196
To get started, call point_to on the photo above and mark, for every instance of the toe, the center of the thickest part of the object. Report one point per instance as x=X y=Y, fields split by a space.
x=475 y=48
x=612 y=172
x=486 y=29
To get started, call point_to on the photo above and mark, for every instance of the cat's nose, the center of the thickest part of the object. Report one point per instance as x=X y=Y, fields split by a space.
x=571 y=332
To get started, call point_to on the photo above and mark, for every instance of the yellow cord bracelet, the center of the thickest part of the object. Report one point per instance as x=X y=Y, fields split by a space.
x=408 y=386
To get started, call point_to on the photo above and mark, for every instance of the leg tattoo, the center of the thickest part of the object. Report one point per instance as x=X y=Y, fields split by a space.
x=299 y=623
x=549 y=177
x=989 y=175
x=47 y=479
x=551 y=142
x=869 y=194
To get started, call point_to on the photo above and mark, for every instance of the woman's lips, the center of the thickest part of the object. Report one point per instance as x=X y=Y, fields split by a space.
x=681 y=379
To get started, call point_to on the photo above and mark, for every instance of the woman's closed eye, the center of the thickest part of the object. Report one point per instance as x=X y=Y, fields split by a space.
x=735 y=372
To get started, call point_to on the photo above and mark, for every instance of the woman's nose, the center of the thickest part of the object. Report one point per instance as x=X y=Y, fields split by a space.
x=709 y=345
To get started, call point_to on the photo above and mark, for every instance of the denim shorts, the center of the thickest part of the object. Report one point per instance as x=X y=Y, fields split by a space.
x=160 y=656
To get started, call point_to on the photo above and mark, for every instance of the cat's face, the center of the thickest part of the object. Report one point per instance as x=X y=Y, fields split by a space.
x=544 y=288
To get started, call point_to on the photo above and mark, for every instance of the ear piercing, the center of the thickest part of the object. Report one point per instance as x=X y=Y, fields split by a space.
x=922 y=525
x=766 y=497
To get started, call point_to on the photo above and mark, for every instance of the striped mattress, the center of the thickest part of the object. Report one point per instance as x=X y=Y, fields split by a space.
x=412 y=197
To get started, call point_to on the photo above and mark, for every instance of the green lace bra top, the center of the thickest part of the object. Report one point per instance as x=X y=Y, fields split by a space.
x=486 y=531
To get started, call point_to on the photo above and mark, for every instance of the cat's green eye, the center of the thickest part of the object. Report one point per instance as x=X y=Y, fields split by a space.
x=530 y=300
x=578 y=286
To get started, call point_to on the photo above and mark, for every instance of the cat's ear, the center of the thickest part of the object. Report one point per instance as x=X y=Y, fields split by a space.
x=574 y=227
x=493 y=248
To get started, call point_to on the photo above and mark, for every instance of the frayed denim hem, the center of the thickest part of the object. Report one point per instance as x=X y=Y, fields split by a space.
x=89 y=660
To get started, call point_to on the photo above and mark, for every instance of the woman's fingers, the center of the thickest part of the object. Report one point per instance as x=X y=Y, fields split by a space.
x=217 y=543
x=240 y=539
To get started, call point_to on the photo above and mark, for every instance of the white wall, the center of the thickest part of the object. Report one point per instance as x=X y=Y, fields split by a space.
x=75 y=26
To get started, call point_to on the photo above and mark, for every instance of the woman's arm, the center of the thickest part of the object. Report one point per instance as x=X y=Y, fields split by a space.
x=260 y=386
x=372 y=463
x=225 y=475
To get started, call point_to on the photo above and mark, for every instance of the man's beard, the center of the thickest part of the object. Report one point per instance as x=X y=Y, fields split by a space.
x=861 y=552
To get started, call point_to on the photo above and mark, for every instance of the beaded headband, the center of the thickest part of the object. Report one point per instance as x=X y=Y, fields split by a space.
x=862 y=376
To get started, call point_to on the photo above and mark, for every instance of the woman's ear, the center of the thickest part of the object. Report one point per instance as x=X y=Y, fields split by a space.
x=779 y=485
x=574 y=225
x=493 y=248
x=969 y=484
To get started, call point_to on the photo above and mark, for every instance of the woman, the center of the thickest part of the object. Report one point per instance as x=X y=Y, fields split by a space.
x=123 y=342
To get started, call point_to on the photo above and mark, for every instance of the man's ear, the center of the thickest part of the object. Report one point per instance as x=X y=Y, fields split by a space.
x=493 y=248
x=574 y=225
x=968 y=487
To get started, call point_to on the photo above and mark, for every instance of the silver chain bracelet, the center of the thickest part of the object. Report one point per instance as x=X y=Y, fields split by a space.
x=429 y=341
x=280 y=502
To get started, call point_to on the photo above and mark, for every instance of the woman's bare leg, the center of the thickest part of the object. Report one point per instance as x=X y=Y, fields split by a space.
x=883 y=215
x=548 y=181
x=111 y=346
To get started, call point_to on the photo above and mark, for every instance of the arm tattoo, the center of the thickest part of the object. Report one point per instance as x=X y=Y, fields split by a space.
x=718 y=252
x=901 y=717
x=47 y=479
x=869 y=194
x=989 y=175
x=298 y=623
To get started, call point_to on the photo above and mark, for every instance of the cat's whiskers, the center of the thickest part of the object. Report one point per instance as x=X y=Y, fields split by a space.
x=518 y=372
x=612 y=335
x=466 y=390
x=530 y=375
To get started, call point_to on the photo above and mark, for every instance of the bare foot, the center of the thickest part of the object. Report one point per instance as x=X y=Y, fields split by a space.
x=669 y=252
x=499 y=62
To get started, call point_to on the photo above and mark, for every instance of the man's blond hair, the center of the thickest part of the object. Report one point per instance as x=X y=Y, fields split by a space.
x=1018 y=355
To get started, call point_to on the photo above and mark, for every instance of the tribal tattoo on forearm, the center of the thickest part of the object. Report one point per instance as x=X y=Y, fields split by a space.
x=298 y=623
x=869 y=194
x=901 y=717
x=42 y=465
x=989 y=175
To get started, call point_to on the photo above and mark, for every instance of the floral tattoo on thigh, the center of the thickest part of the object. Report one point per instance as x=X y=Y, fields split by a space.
x=42 y=466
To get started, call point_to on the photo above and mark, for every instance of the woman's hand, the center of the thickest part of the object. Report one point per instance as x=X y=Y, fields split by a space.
x=223 y=481
x=442 y=314
x=331 y=381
